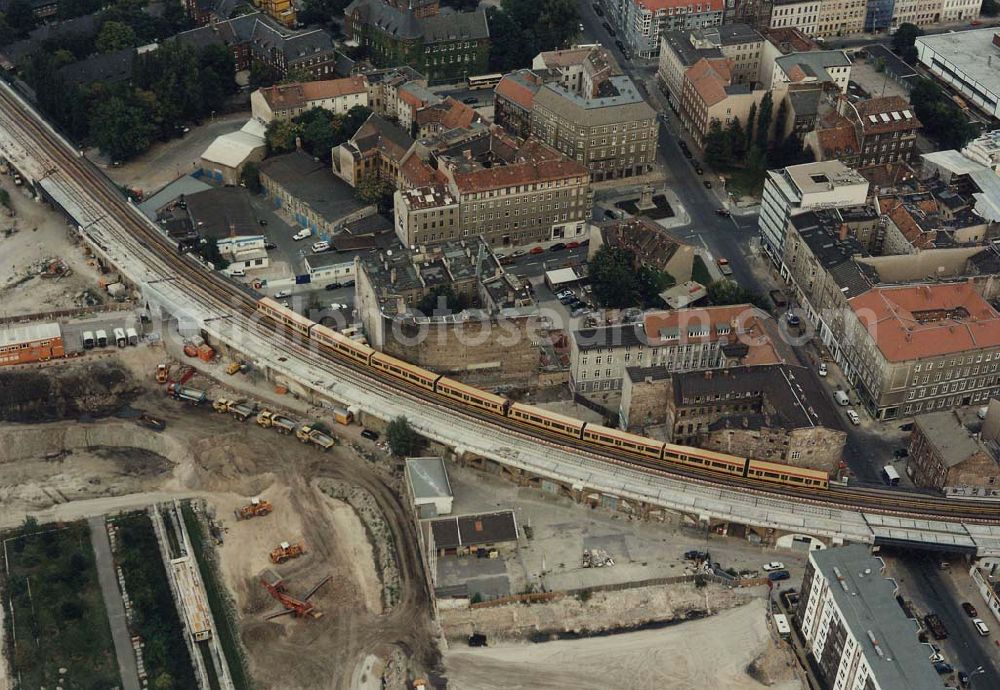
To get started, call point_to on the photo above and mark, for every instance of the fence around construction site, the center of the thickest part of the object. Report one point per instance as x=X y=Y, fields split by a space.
x=77 y=312
x=535 y=597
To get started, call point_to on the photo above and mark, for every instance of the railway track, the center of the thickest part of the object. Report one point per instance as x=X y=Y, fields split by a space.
x=228 y=302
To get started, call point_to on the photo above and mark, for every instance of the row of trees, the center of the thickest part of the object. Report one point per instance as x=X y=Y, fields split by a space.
x=750 y=147
x=520 y=29
x=170 y=86
x=120 y=25
x=942 y=120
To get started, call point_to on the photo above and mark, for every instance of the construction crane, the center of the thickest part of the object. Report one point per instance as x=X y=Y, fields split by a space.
x=300 y=608
x=256 y=508
x=286 y=551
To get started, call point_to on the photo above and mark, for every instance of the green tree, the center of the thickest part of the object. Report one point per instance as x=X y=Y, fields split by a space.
x=941 y=118
x=737 y=140
x=372 y=189
x=613 y=278
x=403 y=440
x=903 y=41
x=751 y=122
x=209 y=251
x=764 y=121
x=726 y=291
x=718 y=146
x=355 y=117
x=121 y=126
x=114 y=36
x=280 y=136
x=20 y=17
x=251 y=177
x=317 y=131
x=989 y=8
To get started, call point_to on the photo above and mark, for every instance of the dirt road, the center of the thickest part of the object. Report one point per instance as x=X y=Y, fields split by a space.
x=713 y=652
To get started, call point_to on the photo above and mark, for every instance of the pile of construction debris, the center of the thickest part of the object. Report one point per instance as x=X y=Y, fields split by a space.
x=597 y=558
x=50 y=268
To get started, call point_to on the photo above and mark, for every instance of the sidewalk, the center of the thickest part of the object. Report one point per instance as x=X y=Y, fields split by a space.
x=113 y=603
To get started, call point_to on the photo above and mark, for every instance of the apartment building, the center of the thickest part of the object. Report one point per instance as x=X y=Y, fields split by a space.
x=641 y=23
x=507 y=192
x=929 y=12
x=594 y=114
x=797 y=188
x=709 y=94
x=923 y=348
x=947 y=455
x=841 y=17
x=680 y=50
x=679 y=340
x=285 y=101
x=854 y=630
x=795 y=14
x=828 y=68
x=985 y=150
x=876 y=131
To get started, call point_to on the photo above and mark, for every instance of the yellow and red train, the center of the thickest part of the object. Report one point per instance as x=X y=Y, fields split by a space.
x=528 y=415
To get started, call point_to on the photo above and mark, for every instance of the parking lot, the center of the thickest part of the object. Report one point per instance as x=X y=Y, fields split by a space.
x=73 y=330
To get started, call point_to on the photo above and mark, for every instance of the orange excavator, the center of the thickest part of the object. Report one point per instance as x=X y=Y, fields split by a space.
x=256 y=508
x=300 y=608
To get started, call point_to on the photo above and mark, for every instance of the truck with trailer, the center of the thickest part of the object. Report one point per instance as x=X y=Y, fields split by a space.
x=191 y=395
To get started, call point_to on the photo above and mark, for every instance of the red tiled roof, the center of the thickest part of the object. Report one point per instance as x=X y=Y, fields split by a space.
x=894 y=107
x=709 y=77
x=743 y=320
x=518 y=174
x=299 y=94
x=838 y=138
x=516 y=92
x=911 y=323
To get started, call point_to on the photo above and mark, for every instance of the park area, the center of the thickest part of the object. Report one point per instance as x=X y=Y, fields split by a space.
x=54 y=608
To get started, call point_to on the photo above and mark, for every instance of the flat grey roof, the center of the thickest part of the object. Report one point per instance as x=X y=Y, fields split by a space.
x=951 y=439
x=428 y=478
x=312 y=183
x=971 y=51
x=867 y=602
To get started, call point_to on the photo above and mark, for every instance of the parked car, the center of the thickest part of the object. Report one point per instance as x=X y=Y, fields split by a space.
x=944 y=668
x=774 y=565
x=822 y=371
x=369 y=434
x=348 y=283
x=572 y=245
x=270 y=245
x=778 y=575
x=282 y=293
x=724 y=212
x=853 y=416
x=263 y=221
x=981 y=626
x=707 y=183
x=969 y=609
x=557 y=247
x=537 y=250
x=792 y=319
x=518 y=252
x=900 y=453
x=724 y=266
x=302 y=234
x=963 y=678
x=320 y=246
x=695 y=555
x=471 y=100
x=332 y=286
x=338 y=305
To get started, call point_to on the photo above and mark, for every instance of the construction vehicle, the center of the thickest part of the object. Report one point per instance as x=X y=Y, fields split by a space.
x=256 y=508
x=310 y=434
x=283 y=424
x=150 y=422
x=300 y=608
x=343 y=416
x=192 y=395
x=162 y=373
x=285 y=552
x=234 y=367
x=240 y=409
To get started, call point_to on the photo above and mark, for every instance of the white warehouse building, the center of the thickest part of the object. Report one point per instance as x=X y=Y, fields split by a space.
x=964 y=61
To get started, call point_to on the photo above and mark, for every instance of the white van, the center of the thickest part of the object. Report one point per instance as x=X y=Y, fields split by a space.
x=120 y=339
x=841 y=398
x=102 y=338
x=981 y=627
x=133 y=337
x=302 y=234
x=237 y=272
x=88 y=340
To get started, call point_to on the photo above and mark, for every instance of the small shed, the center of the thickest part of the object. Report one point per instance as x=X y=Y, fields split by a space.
x=429 y=486
x=224 y=159
x=562 y=278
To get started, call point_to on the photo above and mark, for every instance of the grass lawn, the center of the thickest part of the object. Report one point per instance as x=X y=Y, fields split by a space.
x=155 y=619
x=743 y=182
x=59 y=619
x=699 y=271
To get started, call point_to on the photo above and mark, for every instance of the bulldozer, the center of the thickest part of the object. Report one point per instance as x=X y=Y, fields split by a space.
x=285 y=552
x=256 y=508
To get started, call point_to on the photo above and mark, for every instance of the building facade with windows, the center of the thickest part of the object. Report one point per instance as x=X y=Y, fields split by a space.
x=642 y=22
x=923 y=348
x=795 y=14
x=854 y=630
x=946 y=455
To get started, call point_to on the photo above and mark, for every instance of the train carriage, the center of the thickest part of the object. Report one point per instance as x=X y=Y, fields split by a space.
x=622 y=440
x=404 y=370
x=537 y=417
x=787 y=474
x=341 y=343
x=283 y=315
x=470 y=395
x=708 y=459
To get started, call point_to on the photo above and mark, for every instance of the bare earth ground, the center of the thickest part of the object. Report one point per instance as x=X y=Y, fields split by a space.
x=42 y=234
x=709 y=653
x=210 y=456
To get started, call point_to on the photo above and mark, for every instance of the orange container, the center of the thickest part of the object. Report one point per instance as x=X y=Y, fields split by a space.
x=190 y=350
x=206 y=353
x=280 y=390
